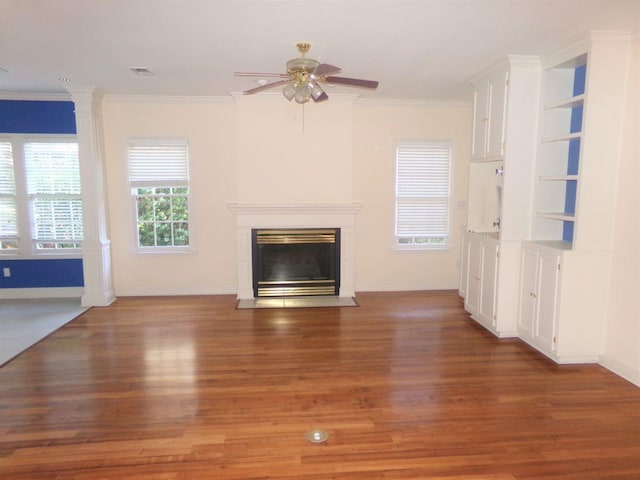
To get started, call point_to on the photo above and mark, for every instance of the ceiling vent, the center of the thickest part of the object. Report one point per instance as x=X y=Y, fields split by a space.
x=142 y=71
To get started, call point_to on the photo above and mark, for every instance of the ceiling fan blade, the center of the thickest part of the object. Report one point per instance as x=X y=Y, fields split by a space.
x=256 y=74
x=265 y=87
x=325 y=69
x=353 y=82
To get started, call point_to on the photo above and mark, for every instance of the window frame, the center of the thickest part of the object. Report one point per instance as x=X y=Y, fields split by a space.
x=26 y=241
x=447 y=240
x=134 y=187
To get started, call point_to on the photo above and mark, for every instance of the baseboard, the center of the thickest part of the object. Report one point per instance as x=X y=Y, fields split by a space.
x=53 y=292
x=622 y=370
x=171 y=292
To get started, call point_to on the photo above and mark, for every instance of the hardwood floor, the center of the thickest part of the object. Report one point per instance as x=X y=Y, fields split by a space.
x=407 y=386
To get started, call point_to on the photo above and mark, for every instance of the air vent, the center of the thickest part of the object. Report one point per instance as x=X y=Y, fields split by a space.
x=142 y=71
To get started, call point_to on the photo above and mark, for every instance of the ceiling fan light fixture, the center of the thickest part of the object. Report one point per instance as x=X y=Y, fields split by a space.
x=303 y=93
x=316 y=91
x=290 y=91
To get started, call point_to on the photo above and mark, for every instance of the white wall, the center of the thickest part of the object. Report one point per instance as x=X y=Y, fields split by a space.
x=291 y=153
x=209 y=128
x=263 y=149
x=378 y=126
x=622 y=345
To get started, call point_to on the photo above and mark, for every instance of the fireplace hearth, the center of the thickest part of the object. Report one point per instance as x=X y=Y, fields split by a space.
x=295 y=262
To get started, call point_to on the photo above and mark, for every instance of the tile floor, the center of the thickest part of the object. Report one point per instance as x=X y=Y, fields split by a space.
x=297 y=302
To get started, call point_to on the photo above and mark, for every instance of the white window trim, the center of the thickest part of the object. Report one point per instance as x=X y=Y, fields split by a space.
x=435 y=248
x=157 y=250
x=26 y=249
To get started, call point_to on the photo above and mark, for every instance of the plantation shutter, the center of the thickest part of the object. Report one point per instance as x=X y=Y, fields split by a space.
x=154 y=163
x=422 y=190
x=53 y=185
x=8 y=215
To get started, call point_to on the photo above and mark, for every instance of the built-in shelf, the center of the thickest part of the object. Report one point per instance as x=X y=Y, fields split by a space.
x=562 y=178
x=562 y=138
x=572 y=102
x=565 y=217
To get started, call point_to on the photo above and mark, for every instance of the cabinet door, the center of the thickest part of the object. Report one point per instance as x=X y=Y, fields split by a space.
x=528 y=281
x=474 y=283
x=464 y=267
x=480 y=120
x=497 y=115
x=489 y=282
x=548 y=276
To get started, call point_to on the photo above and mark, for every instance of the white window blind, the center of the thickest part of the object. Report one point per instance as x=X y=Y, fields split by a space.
x=8 y=214
x=422 y=194
x=153 y=163
x=53 y=186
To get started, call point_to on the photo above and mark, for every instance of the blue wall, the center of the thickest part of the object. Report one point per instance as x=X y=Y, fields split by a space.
x=42 y=273
x=574 y=152
x=43 y=117
x=30 y=116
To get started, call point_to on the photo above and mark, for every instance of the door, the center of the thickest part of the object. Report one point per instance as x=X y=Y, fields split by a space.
x=464 y=266
x=480 y=120
x=528 y=282
x=548 y=277
x=489 y=282
x=474 y=283
x=497 y=115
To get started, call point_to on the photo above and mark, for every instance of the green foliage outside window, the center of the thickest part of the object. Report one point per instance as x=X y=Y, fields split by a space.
x=162 y=217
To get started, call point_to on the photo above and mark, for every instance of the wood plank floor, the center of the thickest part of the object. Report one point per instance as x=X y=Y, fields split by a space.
x=407 y=386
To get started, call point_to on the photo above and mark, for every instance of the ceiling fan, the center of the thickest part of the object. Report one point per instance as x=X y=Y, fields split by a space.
x=305 y=77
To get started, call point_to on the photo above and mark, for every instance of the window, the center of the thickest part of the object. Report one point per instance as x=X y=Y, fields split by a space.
x=159 y=180
x=422 y=195
x=40 y=196
x=53 y=187
x=8 y=206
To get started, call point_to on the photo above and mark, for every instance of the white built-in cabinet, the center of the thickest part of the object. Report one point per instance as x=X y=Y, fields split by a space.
x=500 y=190
x=554 y=204
x=539 y=292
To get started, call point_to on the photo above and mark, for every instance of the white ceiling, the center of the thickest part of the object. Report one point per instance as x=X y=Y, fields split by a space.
x=417 y=49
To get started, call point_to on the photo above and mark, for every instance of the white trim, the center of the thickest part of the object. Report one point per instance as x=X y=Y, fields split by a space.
x=30 y=96
x=625 y=371
x=44 y=292
x=287 y=208
x=173 y=291
x=408 y=102
x=167 y=99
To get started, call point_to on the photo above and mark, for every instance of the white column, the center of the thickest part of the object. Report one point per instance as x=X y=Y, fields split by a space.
x=98 y=282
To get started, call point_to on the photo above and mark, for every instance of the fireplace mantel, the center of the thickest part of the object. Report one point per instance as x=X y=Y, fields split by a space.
x=295 y=208
x=305 y=215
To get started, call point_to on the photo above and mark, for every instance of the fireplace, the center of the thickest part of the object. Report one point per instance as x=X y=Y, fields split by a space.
x=291 y=217
x=295 y=262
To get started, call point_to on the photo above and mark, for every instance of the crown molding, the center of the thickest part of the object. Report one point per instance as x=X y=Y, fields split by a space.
x=294 y=208
x=402 y=102
x=35 y=96
x=277 y=95
x=167 y=99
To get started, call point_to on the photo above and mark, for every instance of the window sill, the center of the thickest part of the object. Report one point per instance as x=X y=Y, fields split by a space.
x=165 y=251
x=414 y=248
